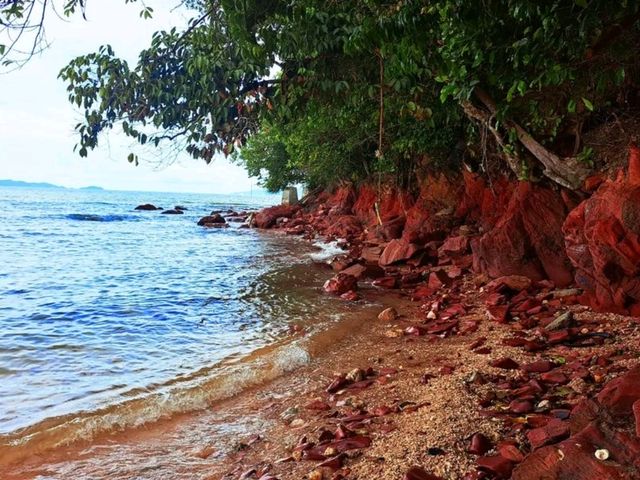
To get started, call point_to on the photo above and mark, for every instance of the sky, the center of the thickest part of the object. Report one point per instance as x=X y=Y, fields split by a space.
x=36 y=119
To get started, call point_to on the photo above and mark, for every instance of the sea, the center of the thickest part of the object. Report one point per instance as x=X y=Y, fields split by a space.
x=111 y=318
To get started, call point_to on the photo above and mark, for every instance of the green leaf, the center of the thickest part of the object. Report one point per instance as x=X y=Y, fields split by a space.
x=587 y=104
x=571 y=106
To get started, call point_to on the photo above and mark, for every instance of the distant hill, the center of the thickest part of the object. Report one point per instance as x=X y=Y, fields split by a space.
x=18 y=183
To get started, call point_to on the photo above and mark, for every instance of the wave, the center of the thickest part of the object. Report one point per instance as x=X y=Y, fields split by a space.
x=89 y=217
x=183 y=394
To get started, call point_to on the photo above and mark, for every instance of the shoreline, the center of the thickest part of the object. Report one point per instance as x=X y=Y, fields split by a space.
x=420 y=408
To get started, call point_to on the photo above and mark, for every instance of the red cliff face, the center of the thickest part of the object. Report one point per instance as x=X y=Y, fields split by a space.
x=513 y=228
x=526 y=238
x=603 y=243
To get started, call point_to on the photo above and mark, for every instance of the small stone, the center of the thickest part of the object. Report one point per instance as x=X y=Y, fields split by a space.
x=479 y=444
x=431 y=315
x=356 y=375
x=316 y=475
x=298 y=422
x=388 y=315
x=602 y=454
x=418 y=473
x=562 y=321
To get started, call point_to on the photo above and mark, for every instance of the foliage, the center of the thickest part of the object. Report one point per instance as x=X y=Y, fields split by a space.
x=325 y=91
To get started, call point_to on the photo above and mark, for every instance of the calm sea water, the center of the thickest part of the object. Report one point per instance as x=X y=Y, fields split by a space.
x=101 y=305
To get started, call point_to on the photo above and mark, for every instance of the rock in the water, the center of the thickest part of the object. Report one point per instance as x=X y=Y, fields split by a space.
x=180 y=207
x=212 y=220
x=172 y=212
x=388 y=315
x=340 y=284
x=147 y=206
x=268 y=217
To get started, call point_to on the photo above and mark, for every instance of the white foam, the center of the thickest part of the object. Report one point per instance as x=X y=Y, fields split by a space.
x=327 y=250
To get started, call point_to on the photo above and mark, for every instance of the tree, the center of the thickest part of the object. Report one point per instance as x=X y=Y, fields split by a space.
x=364 y=88
x=22 y=25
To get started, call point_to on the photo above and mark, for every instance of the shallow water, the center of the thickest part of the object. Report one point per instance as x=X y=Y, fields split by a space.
x=132 y=316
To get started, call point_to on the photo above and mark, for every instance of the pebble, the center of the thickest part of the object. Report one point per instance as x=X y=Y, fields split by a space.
x=388 y=315
x=602 y=454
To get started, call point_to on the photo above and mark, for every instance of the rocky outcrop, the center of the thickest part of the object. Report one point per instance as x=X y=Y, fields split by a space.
x=602 y=238
x=527 y=239
x=172 y=212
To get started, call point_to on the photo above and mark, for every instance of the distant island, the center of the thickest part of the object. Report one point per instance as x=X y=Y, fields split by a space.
x=19 y=183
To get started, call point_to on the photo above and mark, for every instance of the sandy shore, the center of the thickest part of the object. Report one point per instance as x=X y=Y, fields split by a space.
x=411 y=398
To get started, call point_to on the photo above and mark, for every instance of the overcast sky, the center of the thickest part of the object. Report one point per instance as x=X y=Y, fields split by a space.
x=36 y=120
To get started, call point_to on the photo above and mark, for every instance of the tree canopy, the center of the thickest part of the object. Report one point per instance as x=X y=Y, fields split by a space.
x=323 y=91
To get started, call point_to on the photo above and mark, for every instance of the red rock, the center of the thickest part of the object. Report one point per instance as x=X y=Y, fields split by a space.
x=344 y=226
x=385 y=282
x=447 y=370
x=455 y=246
x=527 y=239
x=496 y=464
x=539 y=366
x=505 y=363
x=350 y=296
x=552 y=432
x=593 y=182
x=494 y=299
x=267 y=217
x=371 y=255
x=340 y=284
x=554 y=377
x=397 y=251
x=498 y=313
x=356 y=271
x=482 y=351
x=511 y=452
x=602 y=237
x=521 y=406
x=418 y=473
x=479 y=444
x=558 y=336
x=422 y=292
x=351 y=443
x=619 y=395
x=515 y=283
x=636 y=415
x=337 y=384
